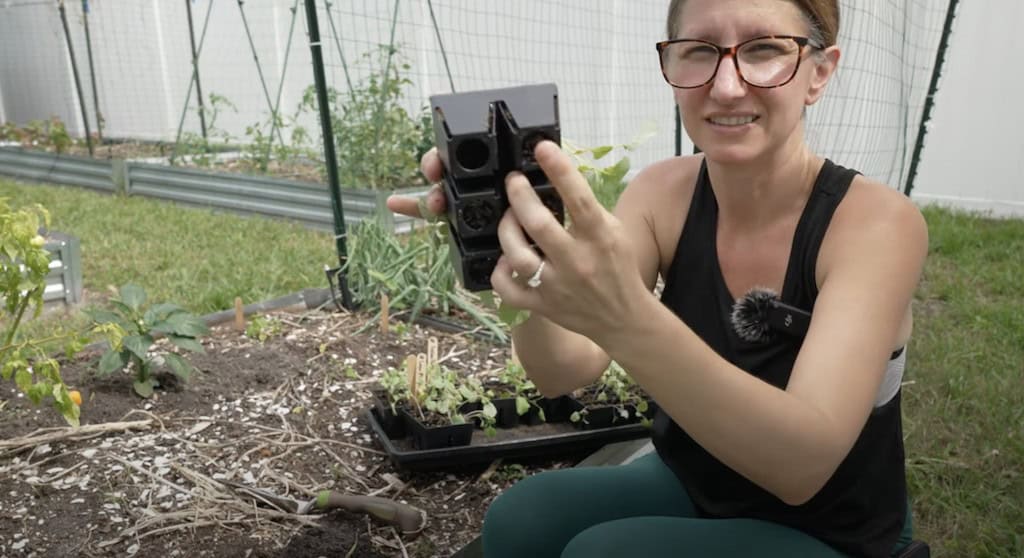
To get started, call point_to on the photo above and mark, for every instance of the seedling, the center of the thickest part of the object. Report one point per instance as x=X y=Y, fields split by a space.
x=139 y=326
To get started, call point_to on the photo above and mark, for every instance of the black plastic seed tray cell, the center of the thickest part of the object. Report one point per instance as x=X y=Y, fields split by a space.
x=542 y=440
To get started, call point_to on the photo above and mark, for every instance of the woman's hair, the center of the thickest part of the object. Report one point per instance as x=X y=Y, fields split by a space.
x=822 y=17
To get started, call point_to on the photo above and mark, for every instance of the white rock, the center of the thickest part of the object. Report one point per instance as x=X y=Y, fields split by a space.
x=131 y=550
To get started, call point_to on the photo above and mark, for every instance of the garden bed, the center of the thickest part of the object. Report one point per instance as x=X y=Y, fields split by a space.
x=287 y=415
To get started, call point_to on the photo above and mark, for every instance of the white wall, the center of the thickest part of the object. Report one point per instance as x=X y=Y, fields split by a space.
x=973 y=157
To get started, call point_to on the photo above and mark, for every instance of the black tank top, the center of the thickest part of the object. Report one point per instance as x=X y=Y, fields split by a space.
x=861 y=509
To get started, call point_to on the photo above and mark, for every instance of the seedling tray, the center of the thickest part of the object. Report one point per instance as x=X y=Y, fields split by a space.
x=542 y=440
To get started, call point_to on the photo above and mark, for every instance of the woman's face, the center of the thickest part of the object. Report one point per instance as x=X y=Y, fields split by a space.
x=730 y=120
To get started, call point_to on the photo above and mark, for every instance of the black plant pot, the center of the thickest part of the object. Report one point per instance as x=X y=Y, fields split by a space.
x=557 y=409
x=533 y=416
x=434 y=437
x=507 y=416
x=391 y=422
x=600 y=417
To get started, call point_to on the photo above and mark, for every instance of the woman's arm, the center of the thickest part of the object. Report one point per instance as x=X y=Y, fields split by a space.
x=559 y=360
x=791 y=441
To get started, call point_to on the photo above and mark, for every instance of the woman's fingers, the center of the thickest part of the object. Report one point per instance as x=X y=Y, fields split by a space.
x=536 y=218
x=432 y=203
x=430 y=165
x=586 y=213
x=515 y=247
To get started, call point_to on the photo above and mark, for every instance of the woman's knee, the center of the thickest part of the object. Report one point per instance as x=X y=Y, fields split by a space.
x=530 y=506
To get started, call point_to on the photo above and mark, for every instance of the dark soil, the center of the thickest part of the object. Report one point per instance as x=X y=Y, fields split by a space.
x=287 y=415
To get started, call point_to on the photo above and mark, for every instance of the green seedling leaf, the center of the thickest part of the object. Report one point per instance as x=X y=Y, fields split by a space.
x=185 y=325
x=138 y=345
x=512 y=316
x=161 y=312
x=601 y=151
x=103 y=316
x=489 y=410
x=143 y=387
x=575 y=416
x=467 y=394
x=133 y=296
x=178 y=365
x=616 y=172
x=187 y=343
x=113 y=361
x=522 y=405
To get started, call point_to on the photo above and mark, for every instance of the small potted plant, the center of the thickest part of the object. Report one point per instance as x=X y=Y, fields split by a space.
x=614 y=399
x=392 y=394
x=434 y=418
x=515 y=397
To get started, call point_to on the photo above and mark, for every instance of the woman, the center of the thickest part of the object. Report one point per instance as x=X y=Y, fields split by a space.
x=767 y=447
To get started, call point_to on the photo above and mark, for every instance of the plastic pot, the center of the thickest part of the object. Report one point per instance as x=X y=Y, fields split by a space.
x=433 y=437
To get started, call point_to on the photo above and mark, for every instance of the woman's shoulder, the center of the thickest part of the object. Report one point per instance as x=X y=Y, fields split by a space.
x=874 y=216
x=665 y=181
x=869 y=202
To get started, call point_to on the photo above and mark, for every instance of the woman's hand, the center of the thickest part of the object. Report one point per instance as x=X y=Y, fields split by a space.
x=589 y=282
x=429 y=205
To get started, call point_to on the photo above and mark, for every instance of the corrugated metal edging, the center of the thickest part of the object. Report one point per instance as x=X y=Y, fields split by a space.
x=64 y=281
x=40 y=166
x=303 y=201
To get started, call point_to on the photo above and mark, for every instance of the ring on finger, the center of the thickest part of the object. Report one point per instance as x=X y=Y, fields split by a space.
x=534 y=281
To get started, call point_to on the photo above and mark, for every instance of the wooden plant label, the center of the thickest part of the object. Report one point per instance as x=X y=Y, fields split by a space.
x=432 y=352
x=239 y=314
x=384 y=318
x=410 y=374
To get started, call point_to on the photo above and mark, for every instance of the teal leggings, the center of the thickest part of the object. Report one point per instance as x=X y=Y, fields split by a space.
x=639 y=509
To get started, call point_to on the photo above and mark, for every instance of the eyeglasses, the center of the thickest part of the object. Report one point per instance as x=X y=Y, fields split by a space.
x=764 y=62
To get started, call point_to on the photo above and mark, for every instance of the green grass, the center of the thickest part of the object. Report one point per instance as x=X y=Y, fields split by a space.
x=964 y=411
x=194 y=257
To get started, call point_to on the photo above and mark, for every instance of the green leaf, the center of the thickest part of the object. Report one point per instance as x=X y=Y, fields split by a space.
x=490 y=411
x=487 y=298
x=144 y=388
x=160 y=312
x=617 y=172
x=39 y=391
x=23 y=379
x=113 y=361
x=522 y=405
x=103 y=316
x=601 y=151
x=185 y=325
x=512 y=316
x=187 y=343
x=178 y=365
x=138 y=345
x=133 y=296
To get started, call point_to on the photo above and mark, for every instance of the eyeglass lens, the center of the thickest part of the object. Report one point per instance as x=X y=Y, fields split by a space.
x=767 y=62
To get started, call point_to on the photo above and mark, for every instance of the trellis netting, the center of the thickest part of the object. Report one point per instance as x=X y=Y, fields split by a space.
x=254 y=59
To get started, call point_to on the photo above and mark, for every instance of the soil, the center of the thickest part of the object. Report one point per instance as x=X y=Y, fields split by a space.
x=287 y=415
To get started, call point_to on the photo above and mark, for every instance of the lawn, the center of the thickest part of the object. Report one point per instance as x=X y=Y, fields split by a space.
x=964 y=391
x=198 y=258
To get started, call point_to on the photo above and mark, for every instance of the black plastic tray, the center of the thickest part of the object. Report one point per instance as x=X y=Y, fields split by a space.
x=551 y=440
